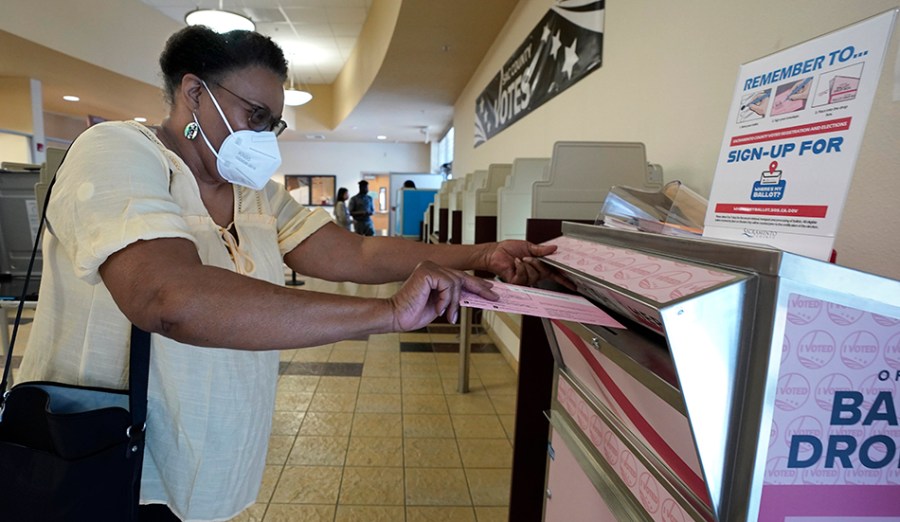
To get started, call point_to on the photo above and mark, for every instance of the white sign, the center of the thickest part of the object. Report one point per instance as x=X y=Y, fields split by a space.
x=793 y=135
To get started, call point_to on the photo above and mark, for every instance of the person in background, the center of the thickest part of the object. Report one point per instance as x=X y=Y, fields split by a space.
x=361 y=209
x=341 y=213
x=164 y=228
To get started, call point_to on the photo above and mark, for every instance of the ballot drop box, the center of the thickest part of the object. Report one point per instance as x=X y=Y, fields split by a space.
x=748 y=384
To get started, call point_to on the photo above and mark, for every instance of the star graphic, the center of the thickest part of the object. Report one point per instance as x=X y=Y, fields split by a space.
x=570 y=60
x=546 y=33
x=555 y=44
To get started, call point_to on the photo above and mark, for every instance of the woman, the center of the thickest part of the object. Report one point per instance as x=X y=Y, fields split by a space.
x=341 y=214
x=173 y=231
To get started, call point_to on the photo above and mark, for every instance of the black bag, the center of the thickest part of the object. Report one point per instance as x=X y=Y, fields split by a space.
x=72 y=453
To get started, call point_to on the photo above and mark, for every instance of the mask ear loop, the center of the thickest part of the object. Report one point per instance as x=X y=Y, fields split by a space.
x=203 y=135
x=222 y=114
x=218 y=108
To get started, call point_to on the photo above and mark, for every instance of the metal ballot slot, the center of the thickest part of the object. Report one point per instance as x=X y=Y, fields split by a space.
x=751 y=384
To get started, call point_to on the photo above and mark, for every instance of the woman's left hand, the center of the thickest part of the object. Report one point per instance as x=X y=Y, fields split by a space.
x=516 y=261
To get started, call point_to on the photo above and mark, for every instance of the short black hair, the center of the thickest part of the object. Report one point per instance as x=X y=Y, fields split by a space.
x=363 y=183
x=199 y=50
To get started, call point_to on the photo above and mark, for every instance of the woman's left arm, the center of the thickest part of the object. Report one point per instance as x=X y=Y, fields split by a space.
x=335 y=254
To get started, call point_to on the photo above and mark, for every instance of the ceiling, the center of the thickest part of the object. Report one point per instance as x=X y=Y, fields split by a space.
x=317 y=36
x=430 y=55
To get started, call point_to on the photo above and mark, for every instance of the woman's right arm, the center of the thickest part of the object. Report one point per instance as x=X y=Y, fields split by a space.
x=162 y=287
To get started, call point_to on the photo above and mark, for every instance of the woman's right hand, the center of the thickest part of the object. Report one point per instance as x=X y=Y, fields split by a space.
x=431 y=291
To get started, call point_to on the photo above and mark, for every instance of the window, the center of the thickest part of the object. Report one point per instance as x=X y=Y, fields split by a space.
x=311 y=190
x=442 y=155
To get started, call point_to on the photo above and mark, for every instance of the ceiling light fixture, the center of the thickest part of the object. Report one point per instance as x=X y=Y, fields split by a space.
x=71 y=98
x=140 y=119
x=294 y=97
x=219 y=20
x=381 y=137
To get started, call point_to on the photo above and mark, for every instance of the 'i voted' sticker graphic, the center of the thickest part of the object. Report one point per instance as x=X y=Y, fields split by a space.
x=648 y=493
x=672 y=512
x=690 y=288
x=596 y=432
x=803 y=310
x=859 y=349
x=816 y=349
x=669 y=279
x=616 y=263
x=859 y=475
x=820 y=475
x=843 y=315
x=885 y=321
x=803 y=425
x=871 y=387
x=638 y=270
x=792 y=392
x=892 y=351
x=826 y=388
x=628 y=468
x=777 y=472
x=610 y=448
x=892 y=476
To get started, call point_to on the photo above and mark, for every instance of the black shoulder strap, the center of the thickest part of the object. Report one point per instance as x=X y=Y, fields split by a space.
x=37 y=241
x=140 y=340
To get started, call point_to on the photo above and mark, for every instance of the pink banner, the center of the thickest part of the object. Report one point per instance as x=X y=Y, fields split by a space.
x=834 y=442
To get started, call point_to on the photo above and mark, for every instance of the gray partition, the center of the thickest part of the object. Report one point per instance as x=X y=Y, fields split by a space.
x=455 y=203
x=514 y=198
x=581 y=174
x=480 y=199
x=19 y=218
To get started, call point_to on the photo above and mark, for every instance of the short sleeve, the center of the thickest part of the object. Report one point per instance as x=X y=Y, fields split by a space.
x=294 y=221
x=111 y=191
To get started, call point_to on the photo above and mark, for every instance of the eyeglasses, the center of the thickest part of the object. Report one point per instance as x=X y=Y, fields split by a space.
x=260 y=118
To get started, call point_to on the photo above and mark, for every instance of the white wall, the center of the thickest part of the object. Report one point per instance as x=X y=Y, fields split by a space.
x=15 y=148
x=348 y=161
x=667 y=79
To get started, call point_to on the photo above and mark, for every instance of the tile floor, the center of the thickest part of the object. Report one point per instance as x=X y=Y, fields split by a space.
x=374 y=430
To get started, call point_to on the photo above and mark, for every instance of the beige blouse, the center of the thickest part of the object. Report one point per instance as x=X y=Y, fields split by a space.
x=210 y=410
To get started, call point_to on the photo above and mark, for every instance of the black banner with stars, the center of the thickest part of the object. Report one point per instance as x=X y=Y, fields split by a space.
x=563 y=48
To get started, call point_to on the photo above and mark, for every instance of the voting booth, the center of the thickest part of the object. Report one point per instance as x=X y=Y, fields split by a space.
x=479 y=204
x=440 y=218
x=749 y=384
x=455 y=203
x=581 y=174
x=514 y=197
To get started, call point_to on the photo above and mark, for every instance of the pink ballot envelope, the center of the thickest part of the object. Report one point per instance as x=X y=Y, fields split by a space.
x=540 y=303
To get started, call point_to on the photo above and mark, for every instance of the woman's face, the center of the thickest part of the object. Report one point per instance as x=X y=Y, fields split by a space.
x=251 y=99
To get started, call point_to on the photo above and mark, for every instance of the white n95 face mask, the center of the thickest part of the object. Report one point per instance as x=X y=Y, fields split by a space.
x=247 y=158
